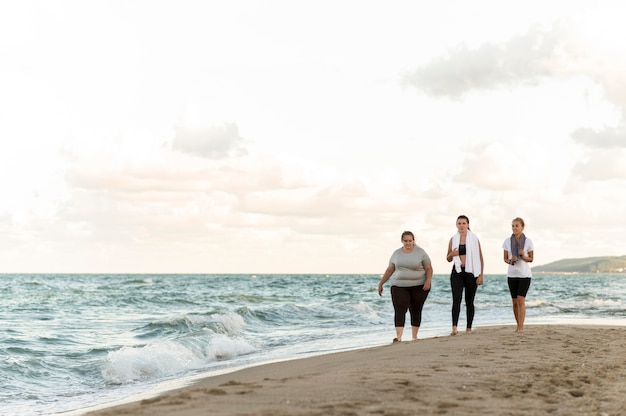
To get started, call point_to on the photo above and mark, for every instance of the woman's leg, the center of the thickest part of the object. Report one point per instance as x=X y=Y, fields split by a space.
x=519 y=310
x=418 y=297
x=518 y=288
x=401 y=299
x=456 y=283
x=470 y=293
x=519 y=303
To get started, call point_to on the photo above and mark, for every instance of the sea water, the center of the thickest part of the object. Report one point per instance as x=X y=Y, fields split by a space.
x=73 y=342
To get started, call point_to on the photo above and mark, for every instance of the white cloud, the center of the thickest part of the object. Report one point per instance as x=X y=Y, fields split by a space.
x=609 y=137
x=209 y=141
x=602 y=165
x=524 y=59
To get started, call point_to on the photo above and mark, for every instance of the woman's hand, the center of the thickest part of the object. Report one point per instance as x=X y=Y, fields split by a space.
x=452 y=253
x=380 y=289
x=479 y=280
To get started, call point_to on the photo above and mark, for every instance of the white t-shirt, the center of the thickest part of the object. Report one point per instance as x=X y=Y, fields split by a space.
x=520 y=268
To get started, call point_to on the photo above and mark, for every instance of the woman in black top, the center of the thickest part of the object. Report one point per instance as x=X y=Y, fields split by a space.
x=467 y=273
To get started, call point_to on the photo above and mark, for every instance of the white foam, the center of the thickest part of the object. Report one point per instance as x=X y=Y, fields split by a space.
x=231 y=322
x=149 y=362
x=365 y=310
x=154 y=361
x=223 y=347
x=536 y=302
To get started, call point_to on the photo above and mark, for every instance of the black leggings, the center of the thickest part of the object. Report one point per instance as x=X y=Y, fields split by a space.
x=458 y=282
x=411 y=299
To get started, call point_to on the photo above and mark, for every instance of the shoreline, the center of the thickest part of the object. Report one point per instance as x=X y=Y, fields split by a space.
x=556 y=369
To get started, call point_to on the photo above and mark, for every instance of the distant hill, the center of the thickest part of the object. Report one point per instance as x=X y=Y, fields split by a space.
x=605 y=264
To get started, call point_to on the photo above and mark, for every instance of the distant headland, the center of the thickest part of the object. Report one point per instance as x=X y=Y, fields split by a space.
x=605 y=264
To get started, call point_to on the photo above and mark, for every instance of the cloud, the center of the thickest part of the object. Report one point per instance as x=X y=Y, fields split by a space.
x=211 y=141
x=524 y=59
x=601 y=165
x=569 y=49
x=576 y=50
x=605 y=151
x=607 y=138
x=143 y=194
x=501 y=166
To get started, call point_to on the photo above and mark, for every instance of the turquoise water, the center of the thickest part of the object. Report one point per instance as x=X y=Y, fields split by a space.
x=69 y=342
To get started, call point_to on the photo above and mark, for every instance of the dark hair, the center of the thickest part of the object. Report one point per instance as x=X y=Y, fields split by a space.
x=463 y=217
x=405 y=234
x=518 y=219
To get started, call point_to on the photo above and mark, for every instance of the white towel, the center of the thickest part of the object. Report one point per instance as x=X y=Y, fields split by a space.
x=472 y=254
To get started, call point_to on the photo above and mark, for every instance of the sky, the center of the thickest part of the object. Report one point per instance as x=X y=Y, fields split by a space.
x=305 y=136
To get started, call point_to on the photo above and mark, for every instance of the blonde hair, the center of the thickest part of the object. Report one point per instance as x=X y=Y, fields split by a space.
x=518 y=219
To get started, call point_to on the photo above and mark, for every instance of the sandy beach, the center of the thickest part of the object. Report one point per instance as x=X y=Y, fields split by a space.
x=547 y=370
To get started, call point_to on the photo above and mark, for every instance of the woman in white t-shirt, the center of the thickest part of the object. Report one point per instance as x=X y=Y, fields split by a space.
x=518 y=254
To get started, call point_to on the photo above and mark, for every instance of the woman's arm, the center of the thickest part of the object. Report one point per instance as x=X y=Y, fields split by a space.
x=529 y=258
x=385 y=277
x=479 y=280
x=429 y=276
x=506 y=257
x=451 y=254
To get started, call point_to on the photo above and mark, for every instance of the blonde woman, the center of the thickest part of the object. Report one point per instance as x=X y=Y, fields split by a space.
x=518 y=254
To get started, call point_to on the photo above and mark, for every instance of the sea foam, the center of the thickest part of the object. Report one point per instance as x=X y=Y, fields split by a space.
x=168 y=358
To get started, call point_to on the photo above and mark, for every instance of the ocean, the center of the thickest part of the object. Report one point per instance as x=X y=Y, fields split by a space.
x=71 y=342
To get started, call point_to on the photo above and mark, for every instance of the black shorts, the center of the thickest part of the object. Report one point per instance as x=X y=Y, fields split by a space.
x=518 y=286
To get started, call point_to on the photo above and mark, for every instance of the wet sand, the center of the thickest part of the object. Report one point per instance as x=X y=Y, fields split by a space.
x=547 y=370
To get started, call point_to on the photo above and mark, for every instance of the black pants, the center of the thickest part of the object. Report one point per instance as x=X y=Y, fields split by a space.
x=411 y=299
x=458 y=282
